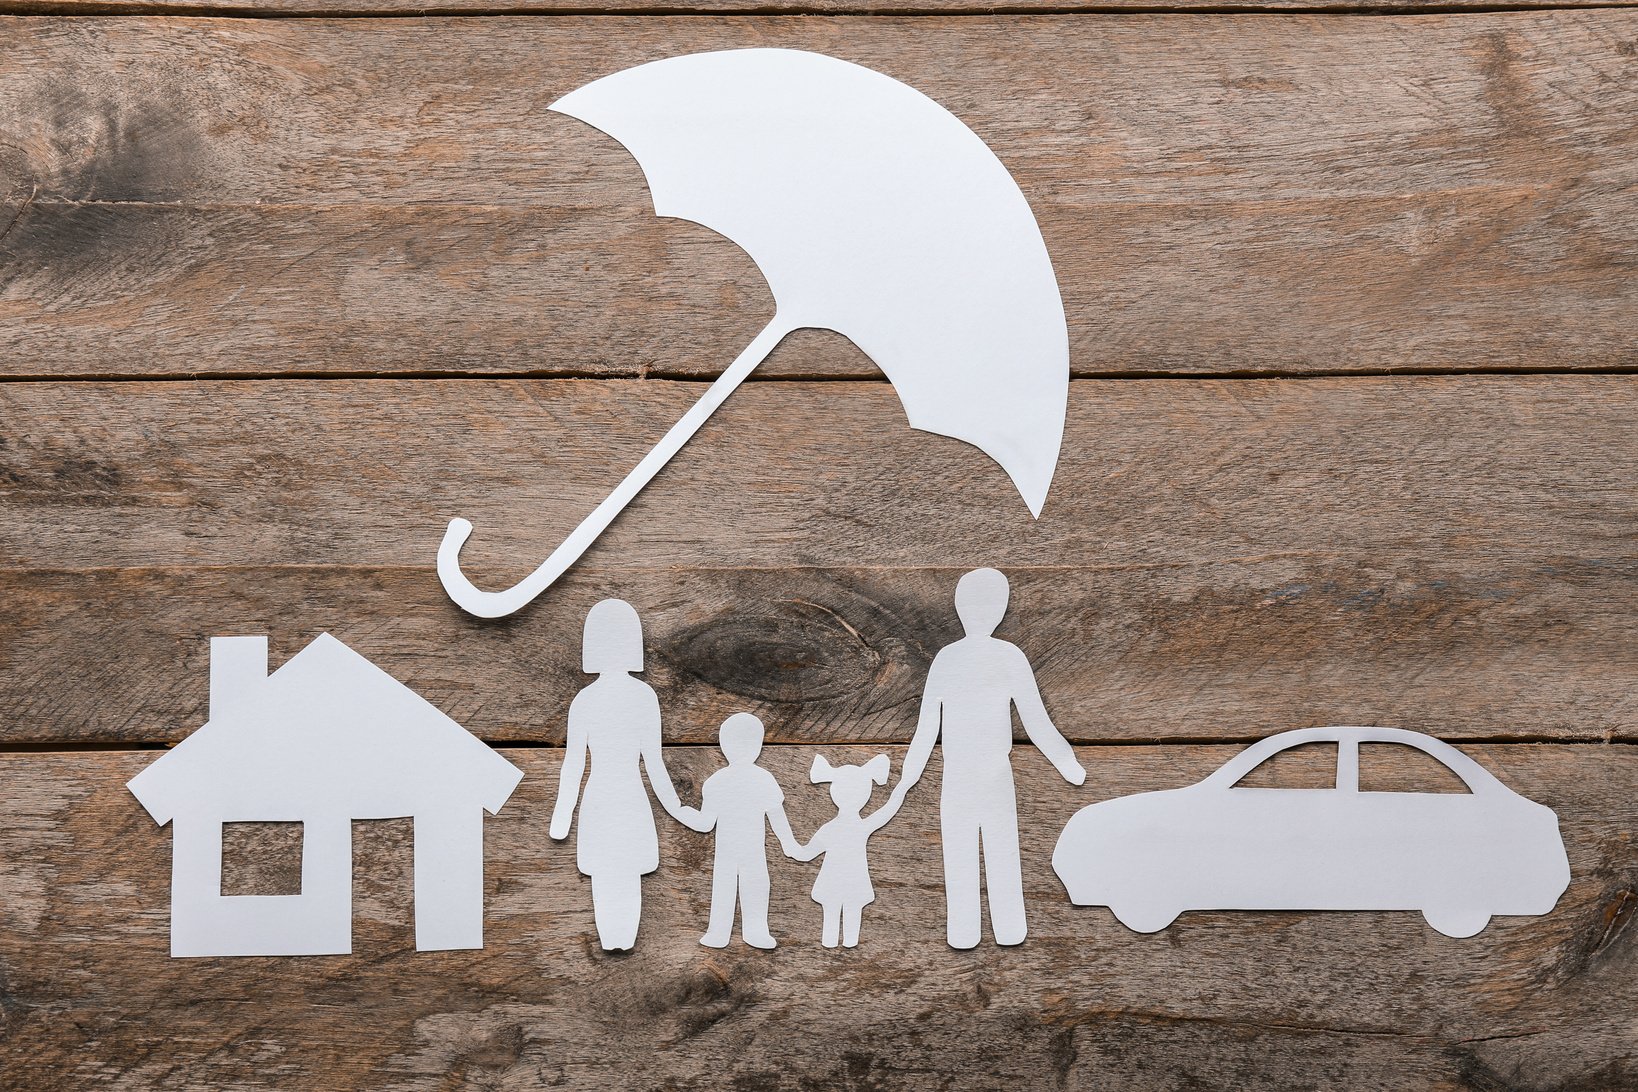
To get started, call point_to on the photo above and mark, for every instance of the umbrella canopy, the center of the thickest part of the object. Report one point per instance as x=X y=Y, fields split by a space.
x=873 y=211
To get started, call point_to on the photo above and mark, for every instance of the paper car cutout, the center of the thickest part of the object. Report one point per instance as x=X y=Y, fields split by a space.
x=1458 y=858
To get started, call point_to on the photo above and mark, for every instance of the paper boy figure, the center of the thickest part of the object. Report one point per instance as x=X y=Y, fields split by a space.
x=740 y=801
x=843 y=888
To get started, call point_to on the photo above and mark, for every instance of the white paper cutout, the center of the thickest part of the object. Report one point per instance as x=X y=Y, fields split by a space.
x=326 y=739
x=1459 y=858
x=616 y=722
x=740 y=802
x=843 y=888
x=972 y=689
x=870 y=210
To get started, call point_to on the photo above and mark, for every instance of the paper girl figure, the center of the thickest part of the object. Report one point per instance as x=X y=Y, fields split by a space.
x=740 y=802
x=843 y=888
x=616 y=720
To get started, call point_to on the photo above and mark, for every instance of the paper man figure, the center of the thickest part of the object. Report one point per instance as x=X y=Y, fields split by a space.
x=972 y=688
x=843 y=888
x=740 y=801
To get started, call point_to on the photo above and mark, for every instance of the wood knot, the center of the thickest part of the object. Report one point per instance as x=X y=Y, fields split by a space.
x=791 y=652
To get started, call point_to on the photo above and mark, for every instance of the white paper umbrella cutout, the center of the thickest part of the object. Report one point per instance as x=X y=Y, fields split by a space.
x=871 y=211
x=1459 y=858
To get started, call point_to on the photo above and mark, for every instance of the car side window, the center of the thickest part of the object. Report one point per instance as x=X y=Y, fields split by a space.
x=1397 y=767
x=1305 y=766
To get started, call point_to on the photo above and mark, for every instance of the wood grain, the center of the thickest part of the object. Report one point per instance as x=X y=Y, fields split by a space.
x=1220 y=194
x=1252 y=1001
x=651 y=8
x=1217 y=559
x=367 y=201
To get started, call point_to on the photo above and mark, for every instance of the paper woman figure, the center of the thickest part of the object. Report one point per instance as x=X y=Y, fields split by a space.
x=616 y=721
x=843 y=888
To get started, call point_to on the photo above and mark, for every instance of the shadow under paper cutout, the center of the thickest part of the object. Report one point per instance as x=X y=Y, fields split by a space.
x=614 y=722
x=870 y=210
x=1458 y=858
x=326 y=739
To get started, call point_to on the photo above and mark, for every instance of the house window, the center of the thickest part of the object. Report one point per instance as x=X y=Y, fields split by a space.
x=261 y=858
x=1394 y=767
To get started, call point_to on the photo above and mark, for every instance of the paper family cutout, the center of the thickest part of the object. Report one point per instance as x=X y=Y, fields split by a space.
x=972 y=689
x=871 y=211
x=329 y=738
x=1459 y=858
x=326 y=739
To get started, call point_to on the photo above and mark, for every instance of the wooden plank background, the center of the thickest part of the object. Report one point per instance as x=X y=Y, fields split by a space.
x=1352 y=299
x=1220 y=195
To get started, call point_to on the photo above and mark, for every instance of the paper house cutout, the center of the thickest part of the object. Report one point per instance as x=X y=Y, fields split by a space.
x=326 y=739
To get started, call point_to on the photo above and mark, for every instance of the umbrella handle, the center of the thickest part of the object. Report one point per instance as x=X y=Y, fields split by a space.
x=498 y=604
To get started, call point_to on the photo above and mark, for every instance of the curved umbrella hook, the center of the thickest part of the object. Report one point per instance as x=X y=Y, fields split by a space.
x=498 y=604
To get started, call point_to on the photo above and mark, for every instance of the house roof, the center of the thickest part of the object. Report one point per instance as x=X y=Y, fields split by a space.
x=327 y=734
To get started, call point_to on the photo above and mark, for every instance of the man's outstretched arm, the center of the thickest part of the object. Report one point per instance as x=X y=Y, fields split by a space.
x=921 y=744
x=1038 y=726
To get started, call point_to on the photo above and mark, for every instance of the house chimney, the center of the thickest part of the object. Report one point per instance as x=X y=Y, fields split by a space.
x=237 y=665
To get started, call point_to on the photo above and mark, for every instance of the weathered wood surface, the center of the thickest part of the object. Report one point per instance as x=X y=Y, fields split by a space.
x=650 y=8
x=1248 y=1001
x=1220 y=194
x=1217 y=559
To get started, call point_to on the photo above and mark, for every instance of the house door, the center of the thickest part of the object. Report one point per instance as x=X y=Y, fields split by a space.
x=383 y=884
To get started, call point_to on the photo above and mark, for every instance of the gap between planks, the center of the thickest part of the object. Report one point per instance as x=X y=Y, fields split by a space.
x=705 y=380
x=50 y=747
x=209 y=11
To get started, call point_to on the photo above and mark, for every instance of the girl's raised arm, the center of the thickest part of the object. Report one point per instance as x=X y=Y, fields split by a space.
x=884 y=814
